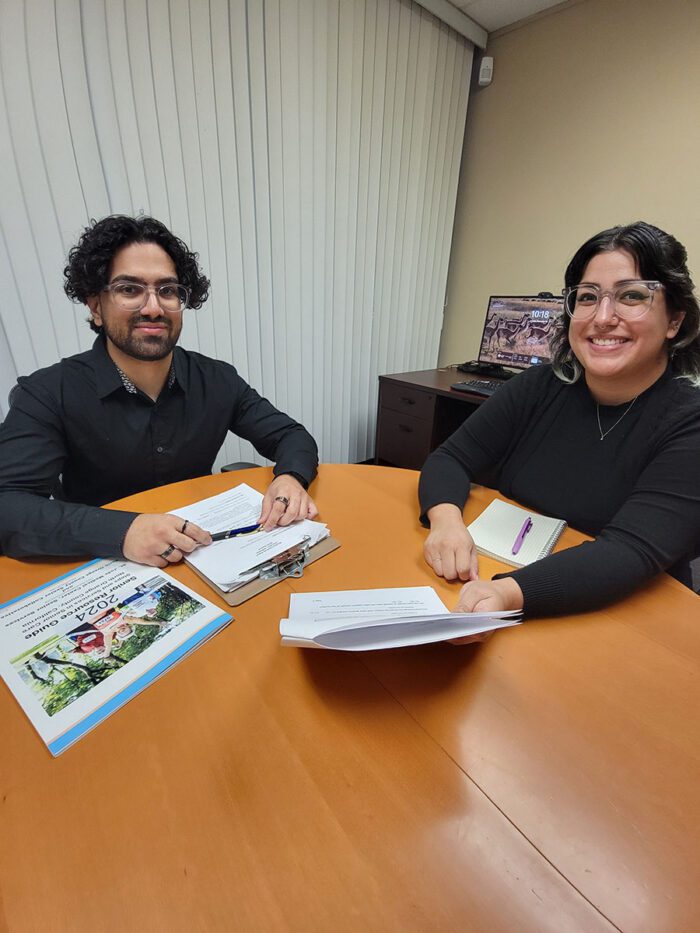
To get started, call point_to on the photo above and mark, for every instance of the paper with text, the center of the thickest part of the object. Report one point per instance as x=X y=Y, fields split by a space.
x=229 y=563
x=361 y=620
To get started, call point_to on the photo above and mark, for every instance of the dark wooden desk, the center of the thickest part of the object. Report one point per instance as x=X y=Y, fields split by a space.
x=417 y=412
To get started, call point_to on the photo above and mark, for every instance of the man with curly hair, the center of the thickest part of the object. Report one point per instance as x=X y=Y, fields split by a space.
x=134 y=412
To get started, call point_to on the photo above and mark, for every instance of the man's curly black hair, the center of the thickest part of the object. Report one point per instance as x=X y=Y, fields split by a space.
x=90 y=260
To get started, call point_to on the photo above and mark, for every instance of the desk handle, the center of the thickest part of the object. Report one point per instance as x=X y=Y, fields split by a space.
x=405 y=428
x=408 y=401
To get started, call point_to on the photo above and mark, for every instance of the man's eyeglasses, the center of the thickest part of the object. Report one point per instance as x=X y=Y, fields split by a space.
x=131 y=296
x=630 y=301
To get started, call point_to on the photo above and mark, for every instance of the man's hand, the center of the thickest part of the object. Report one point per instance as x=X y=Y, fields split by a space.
x=487 y=596
x=286 y=501
x=159 y=540
x=449 y=548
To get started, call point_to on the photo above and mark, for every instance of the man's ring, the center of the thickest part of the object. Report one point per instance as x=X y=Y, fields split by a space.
x=283 y=499
x=182 y=530
x=168 y=551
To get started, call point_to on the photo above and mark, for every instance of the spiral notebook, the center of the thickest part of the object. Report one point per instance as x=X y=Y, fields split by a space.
x=496 y=530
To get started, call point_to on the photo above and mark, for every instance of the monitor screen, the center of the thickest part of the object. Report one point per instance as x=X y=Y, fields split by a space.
x=517 y=330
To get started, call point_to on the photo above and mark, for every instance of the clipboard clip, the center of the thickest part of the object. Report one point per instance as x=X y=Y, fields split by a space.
x=289 y=563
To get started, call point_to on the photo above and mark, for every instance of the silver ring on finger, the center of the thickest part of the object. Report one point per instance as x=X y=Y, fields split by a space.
x=283 y=499
x=168 y=551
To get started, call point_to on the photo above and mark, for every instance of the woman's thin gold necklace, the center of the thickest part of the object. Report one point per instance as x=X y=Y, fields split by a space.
x=604 y=434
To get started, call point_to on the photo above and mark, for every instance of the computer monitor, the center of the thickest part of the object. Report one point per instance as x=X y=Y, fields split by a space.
x=517 y=330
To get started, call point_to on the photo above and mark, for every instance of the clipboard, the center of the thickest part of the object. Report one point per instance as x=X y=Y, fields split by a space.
x=289 y=563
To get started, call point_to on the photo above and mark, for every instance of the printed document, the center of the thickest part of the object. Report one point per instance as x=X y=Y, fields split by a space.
x=235 y=561
x=361 y=620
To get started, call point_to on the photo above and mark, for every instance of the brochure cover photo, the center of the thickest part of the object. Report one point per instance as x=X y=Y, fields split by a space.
x=76 y=649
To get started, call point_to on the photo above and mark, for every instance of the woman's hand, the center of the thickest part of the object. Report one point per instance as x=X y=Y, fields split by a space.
x=449 y=548
x=286 y=501
x=487 y=596
x=490 y=596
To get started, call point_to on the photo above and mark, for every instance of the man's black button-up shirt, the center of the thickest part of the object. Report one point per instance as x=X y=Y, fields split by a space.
x=77 y=420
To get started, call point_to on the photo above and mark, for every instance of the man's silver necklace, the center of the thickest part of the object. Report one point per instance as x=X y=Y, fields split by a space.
x=604 y=434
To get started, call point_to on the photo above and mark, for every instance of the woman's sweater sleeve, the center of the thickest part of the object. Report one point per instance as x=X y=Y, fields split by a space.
x=478 y=447
x=657 y=525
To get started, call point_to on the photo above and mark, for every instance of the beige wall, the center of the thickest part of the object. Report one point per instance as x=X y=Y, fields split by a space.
x=592 y=119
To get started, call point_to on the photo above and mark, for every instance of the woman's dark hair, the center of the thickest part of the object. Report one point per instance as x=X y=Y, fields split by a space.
x=659 y=256
x=89 y=262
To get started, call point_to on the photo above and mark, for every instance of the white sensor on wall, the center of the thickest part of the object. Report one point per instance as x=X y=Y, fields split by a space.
x=486 y=71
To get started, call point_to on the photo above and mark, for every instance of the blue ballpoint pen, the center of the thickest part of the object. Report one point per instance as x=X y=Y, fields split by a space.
x=518 y=543
x=235 y=532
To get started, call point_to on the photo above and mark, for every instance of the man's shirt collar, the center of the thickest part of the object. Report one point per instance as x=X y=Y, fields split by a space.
x=131 y=388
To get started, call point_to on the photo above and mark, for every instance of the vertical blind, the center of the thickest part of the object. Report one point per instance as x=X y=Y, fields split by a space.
x=308 y=150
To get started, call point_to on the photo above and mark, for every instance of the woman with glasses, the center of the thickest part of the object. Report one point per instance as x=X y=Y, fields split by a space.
x=607 y=437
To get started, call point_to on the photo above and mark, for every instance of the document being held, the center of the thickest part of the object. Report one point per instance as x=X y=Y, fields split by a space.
x=362 y=620
x=237 y=559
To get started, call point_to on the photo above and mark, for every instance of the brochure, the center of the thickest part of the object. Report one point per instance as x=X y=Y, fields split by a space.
x=76 y=649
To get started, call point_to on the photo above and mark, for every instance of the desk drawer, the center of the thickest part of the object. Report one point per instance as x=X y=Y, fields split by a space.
x=403 y=440
x=406 y=399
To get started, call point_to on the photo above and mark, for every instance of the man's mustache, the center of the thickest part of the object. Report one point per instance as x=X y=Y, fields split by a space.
x=160 y=321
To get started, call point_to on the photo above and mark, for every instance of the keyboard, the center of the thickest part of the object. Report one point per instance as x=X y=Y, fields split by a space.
x=484 y=387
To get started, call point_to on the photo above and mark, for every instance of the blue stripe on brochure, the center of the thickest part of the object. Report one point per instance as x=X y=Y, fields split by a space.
x=43 y=586
x=96 y=717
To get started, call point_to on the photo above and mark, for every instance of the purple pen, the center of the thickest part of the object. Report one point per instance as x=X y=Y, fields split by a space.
x=518 y=543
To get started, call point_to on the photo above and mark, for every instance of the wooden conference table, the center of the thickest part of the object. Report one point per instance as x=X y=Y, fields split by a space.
x=548 y=779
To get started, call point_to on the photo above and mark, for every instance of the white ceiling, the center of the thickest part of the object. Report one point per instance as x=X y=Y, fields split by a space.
x=495 y=14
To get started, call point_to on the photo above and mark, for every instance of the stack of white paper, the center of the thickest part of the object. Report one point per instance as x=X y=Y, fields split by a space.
x=236 y=561
x=361 y=620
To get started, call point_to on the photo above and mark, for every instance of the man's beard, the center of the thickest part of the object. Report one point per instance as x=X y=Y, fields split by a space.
x=148 y=347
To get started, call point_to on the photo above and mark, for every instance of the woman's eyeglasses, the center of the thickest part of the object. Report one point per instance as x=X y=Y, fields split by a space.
x=631 y=300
